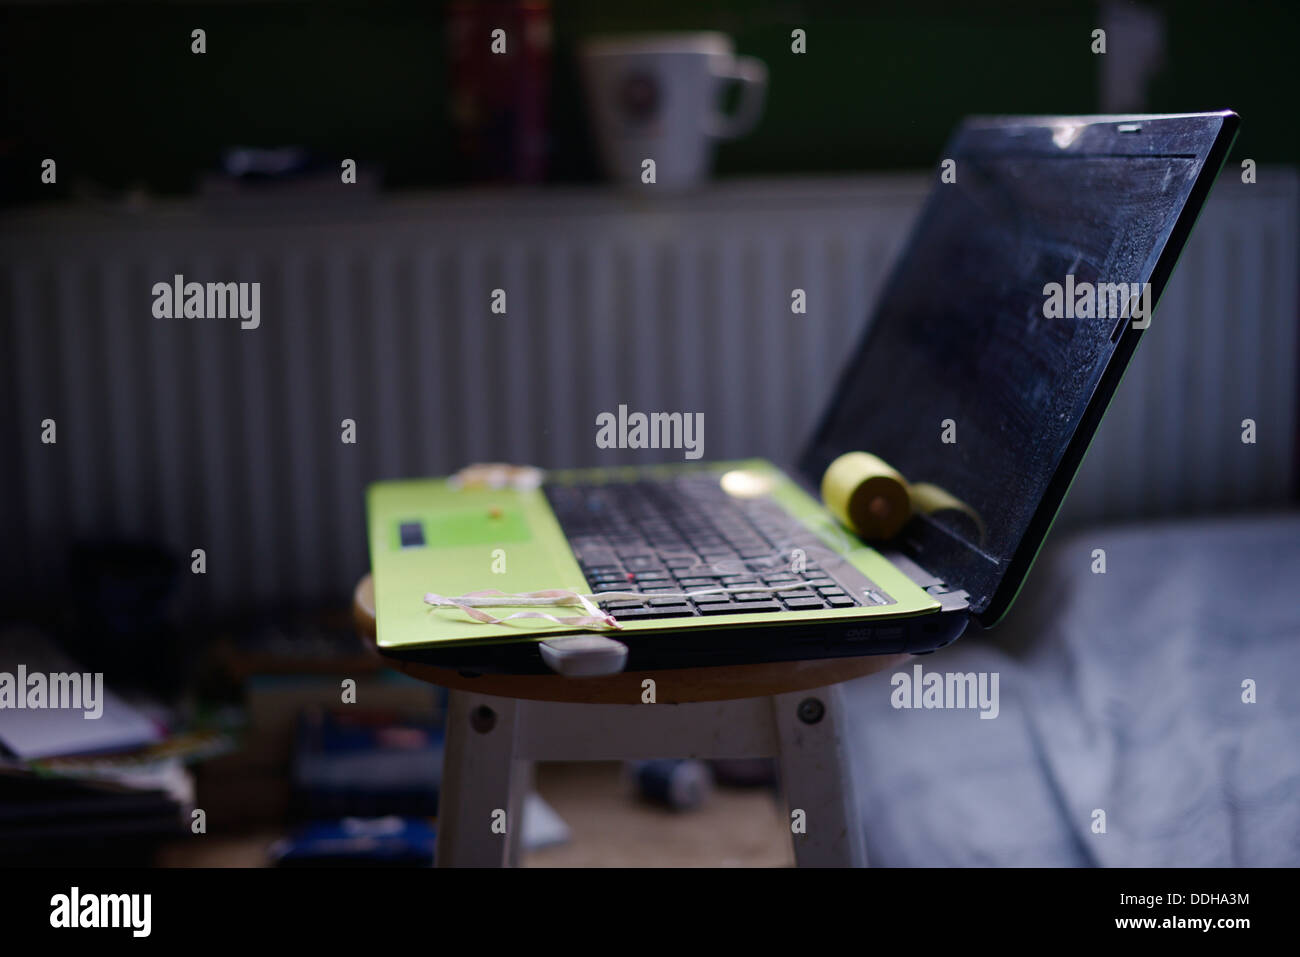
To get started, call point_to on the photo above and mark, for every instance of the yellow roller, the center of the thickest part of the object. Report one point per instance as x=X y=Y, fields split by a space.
x=872 y=499
x=866 y=495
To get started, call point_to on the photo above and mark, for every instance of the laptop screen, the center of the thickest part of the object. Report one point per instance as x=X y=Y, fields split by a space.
x=977 y=373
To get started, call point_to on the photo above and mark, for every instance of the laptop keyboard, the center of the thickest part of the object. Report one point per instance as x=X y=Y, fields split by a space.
x=683 y=534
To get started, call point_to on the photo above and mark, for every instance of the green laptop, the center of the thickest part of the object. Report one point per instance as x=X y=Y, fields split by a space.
x=969 y=381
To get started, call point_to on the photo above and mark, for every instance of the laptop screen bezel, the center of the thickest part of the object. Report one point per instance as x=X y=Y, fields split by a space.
x=1204 y=137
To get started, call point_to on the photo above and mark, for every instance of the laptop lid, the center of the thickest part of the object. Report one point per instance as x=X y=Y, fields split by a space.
x=979 y=376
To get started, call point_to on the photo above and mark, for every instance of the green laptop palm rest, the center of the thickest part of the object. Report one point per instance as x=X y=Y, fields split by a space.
x=433 y=535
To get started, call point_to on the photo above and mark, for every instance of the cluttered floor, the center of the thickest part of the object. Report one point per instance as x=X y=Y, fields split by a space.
x=283 y=744
x=609 y=826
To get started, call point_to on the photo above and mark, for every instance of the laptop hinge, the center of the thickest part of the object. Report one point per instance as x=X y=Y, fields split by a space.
x=950 y=599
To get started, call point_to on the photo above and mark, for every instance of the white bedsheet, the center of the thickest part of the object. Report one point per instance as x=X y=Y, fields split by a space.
x=1120 y=693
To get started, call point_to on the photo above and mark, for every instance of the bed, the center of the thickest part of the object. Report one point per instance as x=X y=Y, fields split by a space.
x=1148 y=715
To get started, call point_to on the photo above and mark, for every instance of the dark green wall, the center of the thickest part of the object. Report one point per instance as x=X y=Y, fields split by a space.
x=113 y=92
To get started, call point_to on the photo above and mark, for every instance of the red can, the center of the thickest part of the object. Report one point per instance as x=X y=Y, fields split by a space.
x=500 y=56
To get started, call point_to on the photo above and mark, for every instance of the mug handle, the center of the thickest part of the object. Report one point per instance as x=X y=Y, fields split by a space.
x=751 y=74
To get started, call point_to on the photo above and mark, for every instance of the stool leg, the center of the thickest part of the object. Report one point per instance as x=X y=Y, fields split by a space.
x=481 y=780
x=817 y=776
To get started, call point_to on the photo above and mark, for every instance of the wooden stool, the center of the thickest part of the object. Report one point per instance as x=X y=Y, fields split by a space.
x=498 y=725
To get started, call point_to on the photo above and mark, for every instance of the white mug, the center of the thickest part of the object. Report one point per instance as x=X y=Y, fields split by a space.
x=660 y=98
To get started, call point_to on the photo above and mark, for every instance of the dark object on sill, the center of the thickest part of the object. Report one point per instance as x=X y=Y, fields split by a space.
x=270 y=180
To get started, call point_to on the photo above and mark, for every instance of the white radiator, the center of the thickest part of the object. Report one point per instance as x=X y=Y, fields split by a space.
x=195 y=433
x=1222 y=347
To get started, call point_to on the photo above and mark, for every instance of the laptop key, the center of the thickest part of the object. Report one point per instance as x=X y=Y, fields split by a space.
x=803 y=604
x=702 y=572
x=740 y=607
x=840 y=601
x=596 y=557
x=636 y=614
